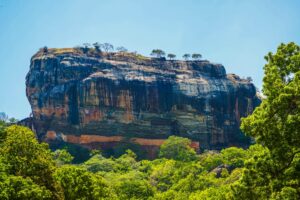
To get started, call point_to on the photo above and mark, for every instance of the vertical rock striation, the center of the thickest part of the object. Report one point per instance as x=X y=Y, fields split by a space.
x=97 y=98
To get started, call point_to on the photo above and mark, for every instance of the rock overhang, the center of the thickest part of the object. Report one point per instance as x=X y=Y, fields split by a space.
x=120 y=95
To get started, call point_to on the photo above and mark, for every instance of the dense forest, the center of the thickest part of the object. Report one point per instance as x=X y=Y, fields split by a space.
x=268 y=169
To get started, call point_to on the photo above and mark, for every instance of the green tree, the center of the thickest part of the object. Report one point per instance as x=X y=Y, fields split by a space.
x=234 y=156
x=249 y=79
x=3 y=125
x=123 y=147
x=3 y=116
x=86 y=47
x=127 y=161
x=78 y=183
x=210 y=160
x=177 y=148
x=196 y=56
x=211 y=193
x=45 y=49
x=62 y=156
x=186 y=56
x=133 y=186
x=98 y=163
x=162 y=175
x=24 y=156
x=107 y=47
x=158 y=53
x=171 y=56
x=97 y=46
x=274 y=172
x=17 y=187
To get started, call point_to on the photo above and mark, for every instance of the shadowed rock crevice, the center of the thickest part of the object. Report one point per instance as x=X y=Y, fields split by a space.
x=119 y=94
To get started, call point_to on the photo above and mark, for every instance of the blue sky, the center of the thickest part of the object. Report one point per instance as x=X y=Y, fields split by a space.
x=236 y=33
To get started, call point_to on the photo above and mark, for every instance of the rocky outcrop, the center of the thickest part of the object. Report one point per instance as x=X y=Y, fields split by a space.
x=96 y=98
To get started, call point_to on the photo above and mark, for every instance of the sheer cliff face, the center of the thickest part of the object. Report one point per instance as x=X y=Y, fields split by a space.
x=106 y=98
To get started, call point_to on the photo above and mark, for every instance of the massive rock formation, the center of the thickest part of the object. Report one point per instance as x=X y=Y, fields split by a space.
x=99 y=98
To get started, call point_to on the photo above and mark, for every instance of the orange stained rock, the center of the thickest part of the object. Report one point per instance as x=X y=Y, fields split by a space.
x=127 y=117
x=87 y=139
x=50 y=111
x=84 y=139
x=50 y=135
x=124 y=100
x=106 y=95
x=148 y=142
x=72 y=139
x=93 y=89
x=195 y=145
x=89 y=115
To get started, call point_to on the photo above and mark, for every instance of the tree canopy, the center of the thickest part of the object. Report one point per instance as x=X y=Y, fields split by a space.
x=25 y=157
x=177 y=148
x=158 y=53
x=186 y=56
x=107 y=47
x=268 y=169
x=275 y=124
x=171 y=56
x=196 y=56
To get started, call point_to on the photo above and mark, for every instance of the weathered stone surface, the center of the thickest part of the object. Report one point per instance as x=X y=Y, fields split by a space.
x=102 y=98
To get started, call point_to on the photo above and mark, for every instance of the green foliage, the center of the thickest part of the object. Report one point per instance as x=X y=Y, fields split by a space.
x=62 y=156
x=17 y=187
x=107 y=47
x=5 y=121
x=3 y=125
x=24 y=156
x=186 y=56
x=28 y=171
x=273 y=172
x=177 y=148
x=79 y=153
x=3 y=117
x=212 y=193
x=140 y=57
x=78 y=183
x=122 y=147
x=100 y=164
x=132 y=185
x=163 y=175
x=97 y=46
x=85 y=48
x=158 y=53
x=196 y=56
x=210 y=160
x=171 y=56
x=234 y=156
x=269 y=169
x=124 y=163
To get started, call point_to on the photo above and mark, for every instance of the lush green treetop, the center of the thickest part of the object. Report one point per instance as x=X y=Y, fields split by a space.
x=177 y=148
x=269 y=169
x=275 y=124
x=158 y=53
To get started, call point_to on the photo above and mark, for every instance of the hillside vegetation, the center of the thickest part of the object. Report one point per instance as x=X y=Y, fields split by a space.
x=269 y=169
